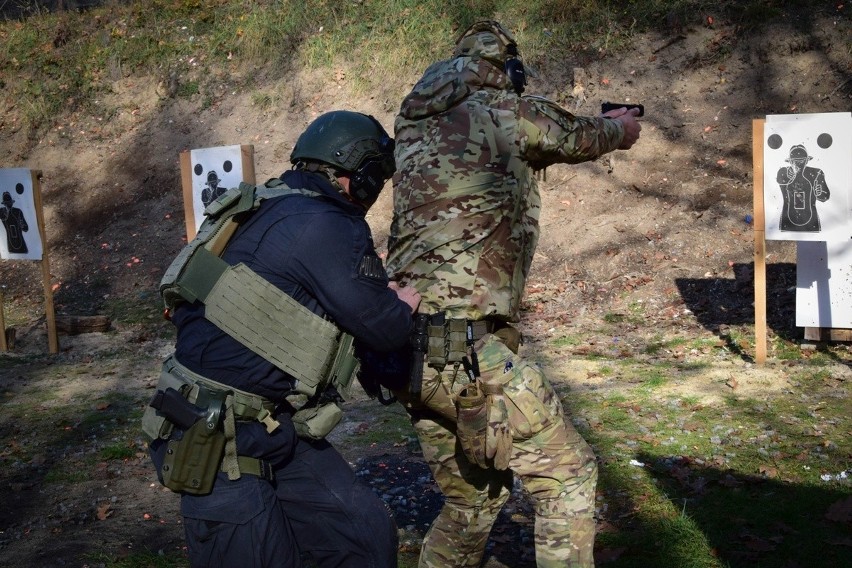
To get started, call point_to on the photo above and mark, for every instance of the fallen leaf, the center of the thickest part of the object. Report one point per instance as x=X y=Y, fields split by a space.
x=104 y=511
x=768 y=471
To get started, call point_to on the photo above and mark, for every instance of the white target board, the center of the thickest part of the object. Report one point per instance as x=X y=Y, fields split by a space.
x=207 y=173
x=808 y=198
x=824 y=285
x=21 y=239
x=807 y=180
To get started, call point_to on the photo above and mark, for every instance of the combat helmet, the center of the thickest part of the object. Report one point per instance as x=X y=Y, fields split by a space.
x=352 y=143
x=489 y=40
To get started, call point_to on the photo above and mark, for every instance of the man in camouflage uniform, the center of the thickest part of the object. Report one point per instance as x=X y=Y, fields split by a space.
x=465 y=227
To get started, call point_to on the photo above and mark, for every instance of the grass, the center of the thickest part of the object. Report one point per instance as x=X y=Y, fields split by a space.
x=144 y=309
x=392 y=429
x=745 y=482
x=66 y=61
x=58 y=421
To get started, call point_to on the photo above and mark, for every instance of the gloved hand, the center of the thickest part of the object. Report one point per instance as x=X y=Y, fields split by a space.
x=498 y=437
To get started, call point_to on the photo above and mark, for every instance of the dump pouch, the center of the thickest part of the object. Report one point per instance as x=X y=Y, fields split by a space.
x=472 y=423
x=315 y=422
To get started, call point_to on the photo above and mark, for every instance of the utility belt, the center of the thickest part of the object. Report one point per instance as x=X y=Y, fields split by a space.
x=441 y=341
x=480 y=407
x=196 y=418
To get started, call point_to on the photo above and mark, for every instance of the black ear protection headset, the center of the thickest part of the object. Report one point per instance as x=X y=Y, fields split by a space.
x=515 y=68
x=367 y=181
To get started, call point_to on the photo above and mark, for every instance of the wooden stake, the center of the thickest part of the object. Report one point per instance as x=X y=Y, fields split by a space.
x=186 y=183
x=3 y=345
x=247 y=153
x=50 y=316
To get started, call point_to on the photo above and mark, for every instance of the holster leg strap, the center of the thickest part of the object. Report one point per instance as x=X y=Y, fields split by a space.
x=230 y=462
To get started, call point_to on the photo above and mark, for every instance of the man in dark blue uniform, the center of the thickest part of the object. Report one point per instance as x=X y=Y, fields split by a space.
x=315 y=245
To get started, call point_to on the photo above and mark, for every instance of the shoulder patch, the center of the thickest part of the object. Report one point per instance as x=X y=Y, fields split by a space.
x=371 y=267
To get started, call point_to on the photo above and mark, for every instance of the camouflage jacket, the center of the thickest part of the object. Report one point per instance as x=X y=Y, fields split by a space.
x=466 y=202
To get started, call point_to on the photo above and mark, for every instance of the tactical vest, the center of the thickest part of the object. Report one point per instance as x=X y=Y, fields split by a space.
x=246 y=306
x=264 y=319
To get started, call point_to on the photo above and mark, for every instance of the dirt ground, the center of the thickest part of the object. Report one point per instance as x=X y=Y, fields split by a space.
x=655 y=240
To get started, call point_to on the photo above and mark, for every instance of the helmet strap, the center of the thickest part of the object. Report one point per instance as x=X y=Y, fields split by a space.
x=325 y=170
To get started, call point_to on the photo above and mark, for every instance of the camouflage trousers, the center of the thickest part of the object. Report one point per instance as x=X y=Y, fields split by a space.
x=553 y=462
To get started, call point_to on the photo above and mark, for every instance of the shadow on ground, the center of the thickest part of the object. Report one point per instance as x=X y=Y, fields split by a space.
x=720 y=303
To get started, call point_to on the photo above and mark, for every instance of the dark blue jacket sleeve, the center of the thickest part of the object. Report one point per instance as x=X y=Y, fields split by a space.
x=334 y=270
x=352 y=285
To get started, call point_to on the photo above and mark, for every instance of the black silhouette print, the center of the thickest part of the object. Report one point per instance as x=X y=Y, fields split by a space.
x=14 y=223
x=212 y=190
x=801 y=187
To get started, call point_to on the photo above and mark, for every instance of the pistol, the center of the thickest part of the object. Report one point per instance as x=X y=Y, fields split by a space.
x=177 y=409
x=608 y=106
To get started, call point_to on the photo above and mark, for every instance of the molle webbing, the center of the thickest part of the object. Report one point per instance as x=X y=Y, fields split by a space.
x=212 y=235
x=243 y=304
x=297 y=341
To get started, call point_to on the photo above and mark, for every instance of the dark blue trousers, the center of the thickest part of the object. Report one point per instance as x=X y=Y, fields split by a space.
x=315 y=507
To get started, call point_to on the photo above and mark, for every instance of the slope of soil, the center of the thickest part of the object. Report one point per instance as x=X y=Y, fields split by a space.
x=636 y=246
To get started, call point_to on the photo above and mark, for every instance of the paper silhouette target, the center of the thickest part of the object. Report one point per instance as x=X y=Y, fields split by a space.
x=807 y=177
x=21 y=240
x=824 y=285
x=207 y=173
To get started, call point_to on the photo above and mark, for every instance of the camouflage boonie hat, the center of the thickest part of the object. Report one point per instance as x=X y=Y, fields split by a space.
x=487 y=39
